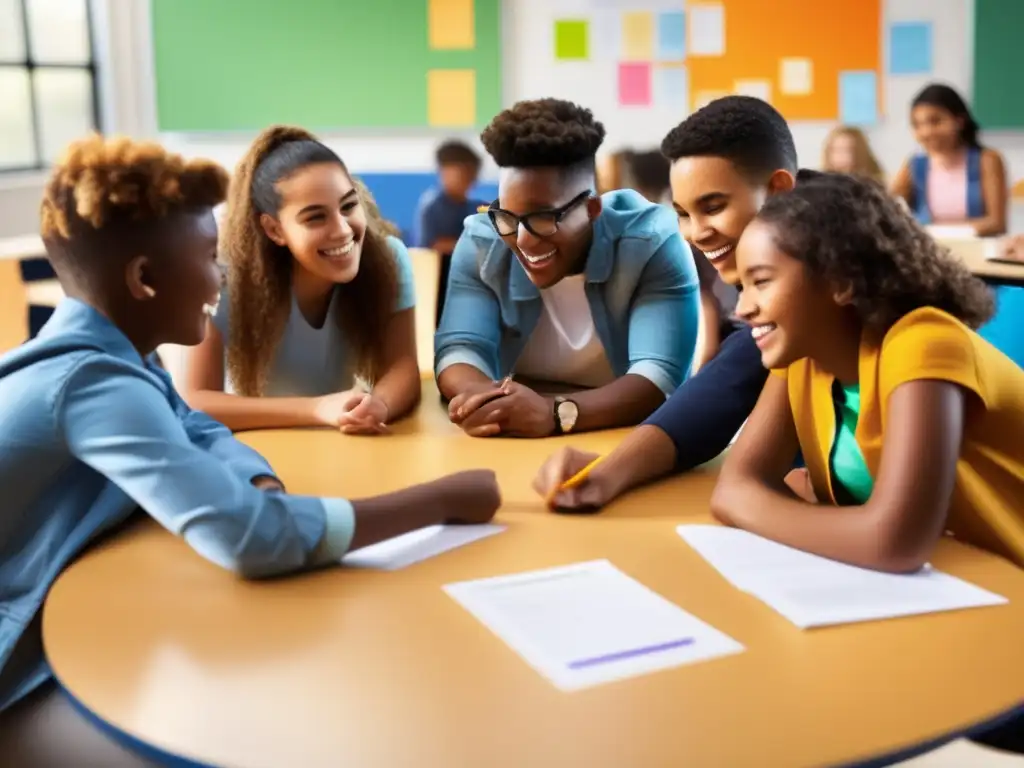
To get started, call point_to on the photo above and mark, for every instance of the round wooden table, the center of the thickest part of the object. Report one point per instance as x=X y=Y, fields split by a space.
x=361 y=668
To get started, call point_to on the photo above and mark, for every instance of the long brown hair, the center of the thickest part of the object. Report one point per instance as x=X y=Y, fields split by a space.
x=864 y=161
x=259 y=272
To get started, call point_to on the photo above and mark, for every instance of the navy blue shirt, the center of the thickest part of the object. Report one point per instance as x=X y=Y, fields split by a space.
x=438 y=215
x=707 y=410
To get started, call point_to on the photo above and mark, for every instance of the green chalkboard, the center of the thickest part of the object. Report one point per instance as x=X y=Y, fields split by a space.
x=240 y=65
x=999 y=63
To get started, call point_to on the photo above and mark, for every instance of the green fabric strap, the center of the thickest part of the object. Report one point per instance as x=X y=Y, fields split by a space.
x=847 y=462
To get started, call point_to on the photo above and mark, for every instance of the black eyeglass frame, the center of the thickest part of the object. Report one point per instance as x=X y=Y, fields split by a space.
x=556 y=214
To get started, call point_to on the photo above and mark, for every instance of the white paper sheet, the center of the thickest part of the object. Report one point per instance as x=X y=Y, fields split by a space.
x=415 y=546
x=952 y=231
x=814 y=591
x=706 y=30
x=588 y=623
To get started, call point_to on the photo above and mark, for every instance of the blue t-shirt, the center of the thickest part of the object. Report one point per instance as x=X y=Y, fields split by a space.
x=311 y=362
x=438 y=215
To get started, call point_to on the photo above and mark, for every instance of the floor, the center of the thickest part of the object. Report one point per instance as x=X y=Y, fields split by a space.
x=964 y=754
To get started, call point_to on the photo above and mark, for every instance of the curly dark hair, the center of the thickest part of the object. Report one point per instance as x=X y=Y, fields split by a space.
x=747 y=131
x=850 y=231
x=259 y=273
x=114 y=194
x=455 y=152
x=544 y=133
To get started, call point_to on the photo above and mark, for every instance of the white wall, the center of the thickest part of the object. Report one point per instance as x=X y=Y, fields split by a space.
x=529 y=72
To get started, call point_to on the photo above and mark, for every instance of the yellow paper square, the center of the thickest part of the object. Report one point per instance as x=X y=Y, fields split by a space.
x=703 y=98
x=759 y=89
x=637 y=36
x=451 y=97
x=450 y=25
x=796 y=76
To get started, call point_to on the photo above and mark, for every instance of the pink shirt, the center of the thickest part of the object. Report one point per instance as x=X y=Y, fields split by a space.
x=947 y=192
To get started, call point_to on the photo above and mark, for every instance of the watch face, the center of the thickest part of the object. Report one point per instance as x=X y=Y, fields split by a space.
x=568 y=412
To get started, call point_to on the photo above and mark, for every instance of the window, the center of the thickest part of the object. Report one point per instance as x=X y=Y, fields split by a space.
x=47 y=80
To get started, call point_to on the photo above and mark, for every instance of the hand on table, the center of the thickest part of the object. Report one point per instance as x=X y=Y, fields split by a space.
x=472 y=496
x=352 y=412
x=1012 y=248
x=467 y=402
x=521 y=412
x=590 y=495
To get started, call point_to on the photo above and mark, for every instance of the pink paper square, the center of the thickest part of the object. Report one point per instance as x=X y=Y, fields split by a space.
x=635 y=85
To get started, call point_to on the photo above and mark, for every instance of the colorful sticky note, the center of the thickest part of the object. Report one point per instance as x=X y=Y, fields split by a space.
x=703 y=98
x=671 y=36
x=707 y=30
x=858 y=97
x=759 y=89
x=910 y=48
x=451 y=97
x=571 y=39
x=635 y=84
x=796 y=76
x=672 y=87
x=450 y=25
x=637 y=36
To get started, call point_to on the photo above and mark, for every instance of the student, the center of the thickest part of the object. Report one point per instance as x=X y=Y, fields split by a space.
x=956 y=180
x=847 y=150
x=442 y=210
x=867 y=326
x=727 y=158
x=94 y=431
x=316 y=296
x=590 y=302
x=648 y=174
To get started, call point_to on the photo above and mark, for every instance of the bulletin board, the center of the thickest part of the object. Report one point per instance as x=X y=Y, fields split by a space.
x=222 y=65
x=810 y=64
x=998 y=63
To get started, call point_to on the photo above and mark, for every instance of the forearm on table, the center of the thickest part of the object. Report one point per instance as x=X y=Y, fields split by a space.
x=241 y=413
x=625 y=402
x=391 y=514
x=399 y=388
x=645 y=455
x=456 y=378
x=989 y=226
x=850 y=534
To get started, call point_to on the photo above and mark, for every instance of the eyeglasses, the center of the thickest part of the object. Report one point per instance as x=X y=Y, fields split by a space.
x=538 y=223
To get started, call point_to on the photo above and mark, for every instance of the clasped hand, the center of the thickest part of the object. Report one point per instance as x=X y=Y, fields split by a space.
x=490 y=409
x=353 y=412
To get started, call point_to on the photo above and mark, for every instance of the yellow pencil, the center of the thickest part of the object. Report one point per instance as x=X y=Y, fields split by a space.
x=576 y=480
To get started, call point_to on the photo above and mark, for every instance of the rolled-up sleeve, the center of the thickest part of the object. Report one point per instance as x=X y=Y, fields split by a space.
x=115 y=420
x=664 y=318
x=470 y=329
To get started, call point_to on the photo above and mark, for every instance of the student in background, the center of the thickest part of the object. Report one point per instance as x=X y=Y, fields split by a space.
x=318 y=301
x=589 y=301
x=611 y=170
x=727 y=159
x=955 y=180
x=847 y=150
x=648 y=174
x=867 y=326
x=93 y=430
x=443 y=209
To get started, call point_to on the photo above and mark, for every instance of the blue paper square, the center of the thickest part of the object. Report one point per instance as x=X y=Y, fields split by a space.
x=672 y=88
x=910 y=48
x=858 y=97
x=671 y=36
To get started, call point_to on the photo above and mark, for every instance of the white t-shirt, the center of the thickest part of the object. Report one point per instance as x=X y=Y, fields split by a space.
x=565 y=347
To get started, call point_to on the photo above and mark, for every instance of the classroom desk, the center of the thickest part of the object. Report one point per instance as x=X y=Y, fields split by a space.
x=973 y=253
x=383 y=669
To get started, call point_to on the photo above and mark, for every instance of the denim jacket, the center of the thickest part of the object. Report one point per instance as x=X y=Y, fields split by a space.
x=641 y=284
x=90 y=432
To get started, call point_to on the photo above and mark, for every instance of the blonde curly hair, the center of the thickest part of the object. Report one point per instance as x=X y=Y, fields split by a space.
x=105 y=190
x=259 y=272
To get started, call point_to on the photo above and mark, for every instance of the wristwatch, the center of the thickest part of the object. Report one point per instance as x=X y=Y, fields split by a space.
x=566 y=413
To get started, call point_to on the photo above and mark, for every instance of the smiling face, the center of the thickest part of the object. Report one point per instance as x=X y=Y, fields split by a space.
x=791 y=313
x=321 y=221
x=936 y=129
x=715 y=202
x=178 y=283
x=563 y=216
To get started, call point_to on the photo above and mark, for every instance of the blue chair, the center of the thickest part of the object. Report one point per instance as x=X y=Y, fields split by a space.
x=1006 y=329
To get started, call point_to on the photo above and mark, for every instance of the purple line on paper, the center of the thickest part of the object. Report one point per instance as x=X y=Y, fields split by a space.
x=631 y=653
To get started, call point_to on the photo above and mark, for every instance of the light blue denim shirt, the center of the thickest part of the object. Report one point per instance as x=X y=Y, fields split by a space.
x=90 y=432
x=641 y=284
